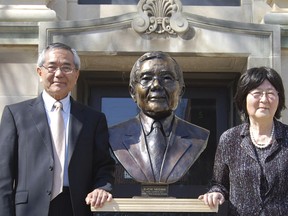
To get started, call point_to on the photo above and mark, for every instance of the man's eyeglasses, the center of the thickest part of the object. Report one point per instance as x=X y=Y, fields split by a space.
x=271 y=94
x=164 y=80
x=64 y=69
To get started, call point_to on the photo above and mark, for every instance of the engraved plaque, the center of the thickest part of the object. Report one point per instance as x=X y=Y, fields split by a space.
x=154 y=190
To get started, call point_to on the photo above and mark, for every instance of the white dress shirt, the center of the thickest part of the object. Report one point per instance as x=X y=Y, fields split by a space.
x=49 y=108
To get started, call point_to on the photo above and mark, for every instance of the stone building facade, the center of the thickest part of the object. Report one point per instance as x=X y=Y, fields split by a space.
x=213 y=39
x=213 y=44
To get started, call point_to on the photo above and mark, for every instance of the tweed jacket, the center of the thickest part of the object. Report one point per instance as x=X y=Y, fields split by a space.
x=237 y=173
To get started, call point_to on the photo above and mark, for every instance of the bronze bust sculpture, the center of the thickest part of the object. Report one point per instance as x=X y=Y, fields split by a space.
x=156 y=146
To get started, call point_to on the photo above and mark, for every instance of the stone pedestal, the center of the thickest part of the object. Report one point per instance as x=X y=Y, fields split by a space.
x=154 y=205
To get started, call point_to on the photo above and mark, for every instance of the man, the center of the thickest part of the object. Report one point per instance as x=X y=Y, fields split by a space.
x=157 y=85
x=28 y=155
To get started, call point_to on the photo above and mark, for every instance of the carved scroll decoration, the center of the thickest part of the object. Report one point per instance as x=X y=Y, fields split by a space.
x=160 y=17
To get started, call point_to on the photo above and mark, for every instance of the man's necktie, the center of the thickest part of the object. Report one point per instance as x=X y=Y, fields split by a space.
x=156 y=145
x=58 y=134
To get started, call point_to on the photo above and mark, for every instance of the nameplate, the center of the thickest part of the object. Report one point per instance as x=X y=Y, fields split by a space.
x=154 y=190
x=154 y=205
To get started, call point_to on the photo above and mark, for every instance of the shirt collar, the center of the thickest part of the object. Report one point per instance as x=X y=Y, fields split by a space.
x=49 y=102
x=166 y=123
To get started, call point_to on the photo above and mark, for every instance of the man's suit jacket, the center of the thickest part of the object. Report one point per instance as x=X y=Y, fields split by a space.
x=26 y=158
x=185 y=145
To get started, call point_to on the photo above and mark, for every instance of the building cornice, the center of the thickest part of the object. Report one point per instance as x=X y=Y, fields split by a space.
x=26 y=13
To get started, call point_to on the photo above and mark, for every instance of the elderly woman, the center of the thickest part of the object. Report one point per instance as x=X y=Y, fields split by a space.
x=251 y=162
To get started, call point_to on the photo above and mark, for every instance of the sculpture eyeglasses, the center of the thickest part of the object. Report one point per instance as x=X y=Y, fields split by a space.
x=164 y=80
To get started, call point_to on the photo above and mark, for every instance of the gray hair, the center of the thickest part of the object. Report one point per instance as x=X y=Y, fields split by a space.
x=41 y=57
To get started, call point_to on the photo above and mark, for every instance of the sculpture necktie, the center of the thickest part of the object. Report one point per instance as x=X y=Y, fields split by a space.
x=58 y=134
x=156 y=145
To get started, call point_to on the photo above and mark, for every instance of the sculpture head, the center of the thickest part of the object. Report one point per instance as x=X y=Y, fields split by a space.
x=156 y=84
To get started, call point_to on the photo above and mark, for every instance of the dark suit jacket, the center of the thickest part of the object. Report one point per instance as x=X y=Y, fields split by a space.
x=185 y=145
x=26 y=158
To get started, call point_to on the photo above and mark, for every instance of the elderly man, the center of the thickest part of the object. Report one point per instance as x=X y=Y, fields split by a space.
x=54 y=151
x=156 y=146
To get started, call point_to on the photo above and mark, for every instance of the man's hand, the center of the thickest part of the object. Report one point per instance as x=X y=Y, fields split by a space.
x=98 y=197
x=212 y=199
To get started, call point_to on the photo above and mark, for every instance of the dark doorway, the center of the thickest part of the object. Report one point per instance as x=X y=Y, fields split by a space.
x=199 y=106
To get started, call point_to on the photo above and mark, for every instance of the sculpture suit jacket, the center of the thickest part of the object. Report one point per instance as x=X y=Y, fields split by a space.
x=186 y=143
x=26 y=158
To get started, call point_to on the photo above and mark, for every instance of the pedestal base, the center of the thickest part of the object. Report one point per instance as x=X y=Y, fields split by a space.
x=154 y=205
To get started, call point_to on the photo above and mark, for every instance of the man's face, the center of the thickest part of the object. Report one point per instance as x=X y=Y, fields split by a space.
x=58 y=84
x=157 y=91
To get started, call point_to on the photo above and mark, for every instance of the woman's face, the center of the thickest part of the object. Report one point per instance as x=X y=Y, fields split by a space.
x=262 y=102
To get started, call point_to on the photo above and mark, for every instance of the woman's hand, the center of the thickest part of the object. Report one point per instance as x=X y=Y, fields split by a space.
x=212 y=199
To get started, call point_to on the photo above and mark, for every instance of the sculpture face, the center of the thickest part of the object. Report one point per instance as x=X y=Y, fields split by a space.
x=157 y=90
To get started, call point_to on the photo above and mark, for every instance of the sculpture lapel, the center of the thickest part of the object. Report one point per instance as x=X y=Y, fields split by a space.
x=177 y=146
x=134 y=142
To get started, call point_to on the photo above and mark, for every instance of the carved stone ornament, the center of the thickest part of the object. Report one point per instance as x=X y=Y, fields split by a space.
x=160 y=17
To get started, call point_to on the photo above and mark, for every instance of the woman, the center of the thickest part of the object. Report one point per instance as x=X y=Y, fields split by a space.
x=251 y=162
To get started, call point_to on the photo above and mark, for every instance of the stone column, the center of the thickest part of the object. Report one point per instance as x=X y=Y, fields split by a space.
x=19 y=39
x=279 y=16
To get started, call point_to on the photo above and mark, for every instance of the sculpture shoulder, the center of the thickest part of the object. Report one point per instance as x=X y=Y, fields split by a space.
x=128 y=130
x=125 y=126
x=191 y=129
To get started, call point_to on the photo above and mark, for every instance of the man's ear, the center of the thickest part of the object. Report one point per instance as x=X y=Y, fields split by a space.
x=39 y=72
x=132 y=93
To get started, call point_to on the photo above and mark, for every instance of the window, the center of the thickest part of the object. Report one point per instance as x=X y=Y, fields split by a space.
x=184 y=2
